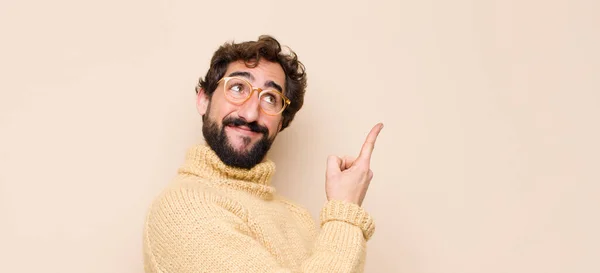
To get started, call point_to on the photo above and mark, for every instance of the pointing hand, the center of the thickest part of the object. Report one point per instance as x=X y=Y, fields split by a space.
x=348 y=178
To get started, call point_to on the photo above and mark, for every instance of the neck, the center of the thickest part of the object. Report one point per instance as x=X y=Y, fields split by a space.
x=203 y=162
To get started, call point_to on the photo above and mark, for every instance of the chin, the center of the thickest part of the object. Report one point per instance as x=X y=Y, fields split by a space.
x=240 y=145
x=241 y=150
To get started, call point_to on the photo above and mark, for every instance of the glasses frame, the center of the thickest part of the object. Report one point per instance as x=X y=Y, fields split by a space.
x=286 y=101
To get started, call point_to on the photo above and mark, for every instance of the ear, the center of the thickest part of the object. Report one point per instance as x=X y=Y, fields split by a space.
x=280 y=125
x=202 y=101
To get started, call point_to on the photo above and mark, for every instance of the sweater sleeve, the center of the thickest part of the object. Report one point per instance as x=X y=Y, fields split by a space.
x=216 y=239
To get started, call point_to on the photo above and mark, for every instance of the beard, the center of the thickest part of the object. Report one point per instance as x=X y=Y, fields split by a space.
x=218 y=141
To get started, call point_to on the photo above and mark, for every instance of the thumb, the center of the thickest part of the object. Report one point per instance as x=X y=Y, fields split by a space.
x=333 y=165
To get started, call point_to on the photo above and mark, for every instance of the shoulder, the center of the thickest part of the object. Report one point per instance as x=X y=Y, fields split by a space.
x=300 y=212
x=188 y=196
x=292 y=206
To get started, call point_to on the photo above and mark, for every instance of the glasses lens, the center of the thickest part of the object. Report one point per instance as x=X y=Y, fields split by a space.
x=271 y=101
x=237 y=89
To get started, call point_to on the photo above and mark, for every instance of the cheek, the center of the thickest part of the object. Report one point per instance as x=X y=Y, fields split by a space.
x=273 y=124
x=218 y=110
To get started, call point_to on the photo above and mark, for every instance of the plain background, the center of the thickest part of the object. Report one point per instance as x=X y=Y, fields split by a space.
x=488 y=162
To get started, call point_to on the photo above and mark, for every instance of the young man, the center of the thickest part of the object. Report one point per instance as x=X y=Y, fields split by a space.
x=220 y=214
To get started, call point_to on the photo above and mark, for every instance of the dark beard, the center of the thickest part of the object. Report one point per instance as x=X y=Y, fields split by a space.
x=217 y=140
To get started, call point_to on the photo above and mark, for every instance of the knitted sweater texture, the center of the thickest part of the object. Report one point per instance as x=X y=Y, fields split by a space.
x=216 y=218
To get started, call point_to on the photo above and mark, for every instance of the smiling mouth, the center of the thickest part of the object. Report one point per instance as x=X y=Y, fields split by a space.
x=242 y=129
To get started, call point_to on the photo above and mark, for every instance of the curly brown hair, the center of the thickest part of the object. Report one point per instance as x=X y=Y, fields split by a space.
x=251 y=53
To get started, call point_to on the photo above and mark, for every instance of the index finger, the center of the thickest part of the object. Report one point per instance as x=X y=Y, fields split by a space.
x=369 y=145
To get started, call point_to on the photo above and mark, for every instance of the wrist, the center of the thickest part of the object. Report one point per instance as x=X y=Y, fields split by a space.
x=349 y=212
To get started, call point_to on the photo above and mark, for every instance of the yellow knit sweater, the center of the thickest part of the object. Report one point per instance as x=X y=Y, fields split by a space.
x=215 y=218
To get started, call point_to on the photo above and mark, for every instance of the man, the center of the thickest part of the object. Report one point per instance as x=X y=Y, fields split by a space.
x=220 y=214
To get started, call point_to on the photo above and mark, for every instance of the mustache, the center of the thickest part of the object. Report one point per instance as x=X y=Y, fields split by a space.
x=253 y=126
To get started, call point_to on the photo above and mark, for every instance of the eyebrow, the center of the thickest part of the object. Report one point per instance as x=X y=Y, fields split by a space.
x=249 y=76
x=242 y=74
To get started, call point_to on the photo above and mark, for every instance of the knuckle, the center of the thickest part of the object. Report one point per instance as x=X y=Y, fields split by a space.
x=332 y=158
x=362 y=168
x=330 y=175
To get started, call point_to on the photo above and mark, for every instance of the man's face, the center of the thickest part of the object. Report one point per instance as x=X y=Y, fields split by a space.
x=242 y=134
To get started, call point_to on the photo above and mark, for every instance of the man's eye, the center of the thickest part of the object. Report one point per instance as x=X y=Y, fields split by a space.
x=237 y=88
x=269 y=99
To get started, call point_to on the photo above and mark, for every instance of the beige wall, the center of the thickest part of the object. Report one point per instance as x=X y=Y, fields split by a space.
x=488 y=161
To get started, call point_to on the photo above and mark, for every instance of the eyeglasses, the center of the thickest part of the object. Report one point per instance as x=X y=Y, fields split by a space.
x=238 y=91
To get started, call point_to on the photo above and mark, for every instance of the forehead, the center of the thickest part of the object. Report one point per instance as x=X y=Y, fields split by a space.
x=263 y=72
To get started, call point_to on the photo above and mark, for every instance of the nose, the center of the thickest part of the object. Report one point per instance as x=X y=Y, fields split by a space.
x=250 y=109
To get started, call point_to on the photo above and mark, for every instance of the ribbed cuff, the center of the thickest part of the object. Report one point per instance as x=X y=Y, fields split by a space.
x=336 y=210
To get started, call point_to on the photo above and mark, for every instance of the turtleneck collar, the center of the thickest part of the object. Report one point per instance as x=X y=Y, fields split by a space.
x=202 y=161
